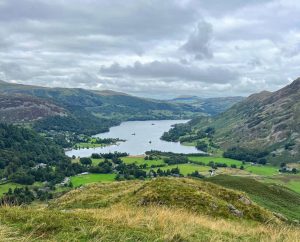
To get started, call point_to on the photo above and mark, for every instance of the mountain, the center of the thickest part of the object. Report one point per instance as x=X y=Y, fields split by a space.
x=210 y=106
x=22 y=109
x=89 y=111
x=267 y=122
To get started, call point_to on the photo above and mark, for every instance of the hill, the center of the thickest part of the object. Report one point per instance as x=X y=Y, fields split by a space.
x=170 y=209
x=265 y=122
x=196 y=196
x=211 y=106
x=91 y=112
x=23 y=109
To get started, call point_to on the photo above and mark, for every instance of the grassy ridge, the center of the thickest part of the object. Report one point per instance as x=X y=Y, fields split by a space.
x=193 y=195
x=165 y=209
x=125 y=223
x=273 y=197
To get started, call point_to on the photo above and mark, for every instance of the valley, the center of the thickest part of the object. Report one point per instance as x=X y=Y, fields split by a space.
x=148 y=164
x=149 y=121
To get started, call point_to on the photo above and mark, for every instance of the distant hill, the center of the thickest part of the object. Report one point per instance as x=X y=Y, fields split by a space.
x=88 y=111
x=211 y=106
x=22 y=109
x=267 y=121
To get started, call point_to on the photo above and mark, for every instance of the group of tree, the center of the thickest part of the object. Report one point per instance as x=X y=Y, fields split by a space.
x=23 y=195
x=27 y=157
x=247 y=155
x=285 y=169
x=168 y=172
x=109 y=155
x=196 y=174
x=176 y=159
x=176 y=132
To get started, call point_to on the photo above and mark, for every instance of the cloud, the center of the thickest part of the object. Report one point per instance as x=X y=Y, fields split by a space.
x=155 y=48
x=198 y=43
x=170 y=71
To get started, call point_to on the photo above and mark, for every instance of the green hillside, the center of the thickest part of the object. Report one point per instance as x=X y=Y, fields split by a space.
x=273 y=197
x=212 y=106
x=264 y=122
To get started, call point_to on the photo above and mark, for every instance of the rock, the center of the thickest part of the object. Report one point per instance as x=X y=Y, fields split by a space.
x=245 y=200
x=214 y=206
x=280 y=216
x=235 y=211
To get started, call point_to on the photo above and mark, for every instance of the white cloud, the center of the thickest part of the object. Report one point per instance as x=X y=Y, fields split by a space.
x=163 y=48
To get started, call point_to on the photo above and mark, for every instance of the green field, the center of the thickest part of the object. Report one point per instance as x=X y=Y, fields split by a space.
x=141 y=161
x=288 y=180
x=262 y=170
x=91 y=178
x=206 y=160
x=4 y=187
x=95 y=162
x=187 y=168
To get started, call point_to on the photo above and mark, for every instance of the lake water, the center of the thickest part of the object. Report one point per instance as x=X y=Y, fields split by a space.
x=140 y=136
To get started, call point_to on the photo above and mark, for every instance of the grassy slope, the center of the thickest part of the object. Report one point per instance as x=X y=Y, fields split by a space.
x=264 y=121
x=194 y=195
x=123 y=223
x=157 y=210
x=275 y=198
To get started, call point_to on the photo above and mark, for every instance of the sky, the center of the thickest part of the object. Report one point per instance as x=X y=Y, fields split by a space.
x=152 y=48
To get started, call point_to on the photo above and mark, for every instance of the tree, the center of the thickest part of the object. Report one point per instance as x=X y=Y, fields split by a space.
x=283 y=164
x=86 y=161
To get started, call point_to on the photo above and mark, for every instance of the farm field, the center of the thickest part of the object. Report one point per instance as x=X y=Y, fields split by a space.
x=91 y=178
x=262 y=170
x=139 y=160
x=186 y=169
x=206 y=160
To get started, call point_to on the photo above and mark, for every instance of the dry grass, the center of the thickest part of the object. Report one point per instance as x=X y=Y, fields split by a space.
x=178 y=223
x=130 y=223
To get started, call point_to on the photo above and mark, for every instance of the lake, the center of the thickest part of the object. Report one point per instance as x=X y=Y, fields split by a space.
x=140 y=136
